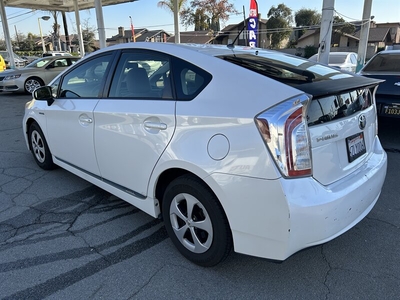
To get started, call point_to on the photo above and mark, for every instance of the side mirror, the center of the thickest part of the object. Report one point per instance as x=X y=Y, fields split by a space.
x=44 y=93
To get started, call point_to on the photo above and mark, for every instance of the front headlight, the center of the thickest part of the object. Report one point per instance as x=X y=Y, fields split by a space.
x=10 y=77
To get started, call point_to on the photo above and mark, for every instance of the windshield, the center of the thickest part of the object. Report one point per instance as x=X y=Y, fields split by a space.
x=384 y=62
x=6 y=56
x=39 y=63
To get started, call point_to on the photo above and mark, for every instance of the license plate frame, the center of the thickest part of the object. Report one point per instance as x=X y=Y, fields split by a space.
x=355 y=145
x=391 y=110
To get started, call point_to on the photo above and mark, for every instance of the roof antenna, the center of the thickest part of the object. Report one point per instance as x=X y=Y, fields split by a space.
x=232 y=45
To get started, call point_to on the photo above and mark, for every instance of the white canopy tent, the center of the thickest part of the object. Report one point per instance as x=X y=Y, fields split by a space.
x=59 y=5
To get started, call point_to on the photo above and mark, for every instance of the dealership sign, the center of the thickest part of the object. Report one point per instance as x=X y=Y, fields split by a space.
x=252 y=25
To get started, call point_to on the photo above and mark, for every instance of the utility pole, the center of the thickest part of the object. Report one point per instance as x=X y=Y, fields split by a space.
x=364 y=33
x=325 y=34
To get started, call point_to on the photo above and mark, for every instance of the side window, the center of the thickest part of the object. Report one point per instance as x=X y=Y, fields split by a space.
x=353 y=59
x=60 y=63
x=190 y=80
x=87 y=79
x=143 y=75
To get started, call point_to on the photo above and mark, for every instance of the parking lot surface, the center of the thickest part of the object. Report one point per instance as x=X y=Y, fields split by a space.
x=63 y=238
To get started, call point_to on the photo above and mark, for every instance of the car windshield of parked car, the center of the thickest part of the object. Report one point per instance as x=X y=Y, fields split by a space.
x=39 y=63
x=7 y=56
x=285 y=68
x=384 y=62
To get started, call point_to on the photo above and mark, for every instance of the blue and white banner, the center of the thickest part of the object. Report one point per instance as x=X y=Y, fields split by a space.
x=252 y=25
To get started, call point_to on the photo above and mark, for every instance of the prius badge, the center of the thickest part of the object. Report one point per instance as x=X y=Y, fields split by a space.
x=362 y=121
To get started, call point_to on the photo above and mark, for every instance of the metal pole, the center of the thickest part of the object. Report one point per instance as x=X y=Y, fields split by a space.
x=41 y=36
x=100 y=23
x=325 y=35
x=6 y=31
x=364 y=33
x=78 y=27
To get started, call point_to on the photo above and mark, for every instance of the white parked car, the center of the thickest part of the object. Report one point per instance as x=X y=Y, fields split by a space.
x=246 y=148
x=346 y=61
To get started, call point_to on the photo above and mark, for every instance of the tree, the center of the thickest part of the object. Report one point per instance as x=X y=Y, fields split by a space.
x=88 y=35
x=339 y=24
x=207 y=14
x=307 y=17
x=56 y=29
x=279 y=20
x=169 y=4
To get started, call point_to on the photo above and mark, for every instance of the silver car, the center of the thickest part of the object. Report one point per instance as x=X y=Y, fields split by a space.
x=18 y=61
x=38 y=73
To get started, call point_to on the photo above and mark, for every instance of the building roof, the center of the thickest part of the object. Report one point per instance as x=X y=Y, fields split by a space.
x=194 y=37
x=308 y=33
x=377 y=34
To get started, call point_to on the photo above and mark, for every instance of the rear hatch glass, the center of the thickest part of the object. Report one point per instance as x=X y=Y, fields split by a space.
x=341 y=115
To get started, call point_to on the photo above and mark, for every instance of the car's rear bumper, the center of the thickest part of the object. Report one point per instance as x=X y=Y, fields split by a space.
x=276 y=218
x=388 y=106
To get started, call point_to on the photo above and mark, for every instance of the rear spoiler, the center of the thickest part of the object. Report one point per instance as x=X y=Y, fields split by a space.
x=330 y=87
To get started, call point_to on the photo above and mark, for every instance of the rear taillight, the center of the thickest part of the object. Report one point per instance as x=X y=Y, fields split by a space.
x=285 y=132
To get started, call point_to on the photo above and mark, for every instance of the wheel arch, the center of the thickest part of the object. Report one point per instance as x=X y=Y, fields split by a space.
x=168 y=175
x=28 y=124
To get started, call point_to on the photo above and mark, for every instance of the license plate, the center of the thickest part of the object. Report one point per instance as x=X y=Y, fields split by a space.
x=393 y=111
x=355 y=146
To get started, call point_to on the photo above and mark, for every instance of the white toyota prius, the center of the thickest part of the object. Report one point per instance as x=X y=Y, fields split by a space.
x=233 y=147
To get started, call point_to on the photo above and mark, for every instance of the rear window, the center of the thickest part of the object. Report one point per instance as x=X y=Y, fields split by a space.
x=285 y=68
x=337 y=59
x=384 y=62
x=334 y=107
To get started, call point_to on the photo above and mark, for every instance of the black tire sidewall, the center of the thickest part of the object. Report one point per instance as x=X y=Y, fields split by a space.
x=48 y=160
x=222 y=238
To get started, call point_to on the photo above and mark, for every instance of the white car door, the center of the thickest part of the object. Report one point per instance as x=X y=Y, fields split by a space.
x=70 y=119
x=136 y=122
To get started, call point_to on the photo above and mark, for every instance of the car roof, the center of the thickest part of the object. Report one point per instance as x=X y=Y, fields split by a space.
x=389 y=52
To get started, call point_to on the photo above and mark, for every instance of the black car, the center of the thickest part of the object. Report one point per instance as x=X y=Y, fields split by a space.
x=385 y=65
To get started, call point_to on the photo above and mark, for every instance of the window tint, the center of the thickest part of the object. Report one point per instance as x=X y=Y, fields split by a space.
x=189 y=79
x=384 y=62
x=334 y=107
x=87 y=79
x=142 y=75
x=337 y=59
x=60 y=63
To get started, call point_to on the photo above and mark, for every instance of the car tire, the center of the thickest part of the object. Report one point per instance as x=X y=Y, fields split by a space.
x=31 y=84
x=39 y=147
x=203 y=235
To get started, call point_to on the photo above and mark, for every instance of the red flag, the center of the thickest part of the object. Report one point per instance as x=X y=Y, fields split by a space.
x=133 y=30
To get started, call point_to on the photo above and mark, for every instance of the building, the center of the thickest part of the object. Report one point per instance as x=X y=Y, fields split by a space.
x=141 y=35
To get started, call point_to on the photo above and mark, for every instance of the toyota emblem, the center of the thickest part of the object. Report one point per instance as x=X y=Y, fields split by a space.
x=362 y=121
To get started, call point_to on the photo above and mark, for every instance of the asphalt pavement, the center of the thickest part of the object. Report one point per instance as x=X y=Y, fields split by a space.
x=63 y=238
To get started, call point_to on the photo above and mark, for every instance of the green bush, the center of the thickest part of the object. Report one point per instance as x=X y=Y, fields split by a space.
x=310 y=51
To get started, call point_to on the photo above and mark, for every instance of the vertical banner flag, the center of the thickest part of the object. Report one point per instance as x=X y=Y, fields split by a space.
x=133 y=30
x=252 y=24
